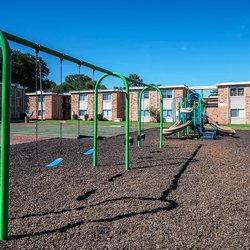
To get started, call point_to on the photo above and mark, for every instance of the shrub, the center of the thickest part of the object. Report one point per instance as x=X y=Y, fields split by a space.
x=75 y=117
x=86 y=117
x=100 y=117
x=154 y=113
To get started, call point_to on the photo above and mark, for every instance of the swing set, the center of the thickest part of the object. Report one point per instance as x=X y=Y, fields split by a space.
x=5 y=128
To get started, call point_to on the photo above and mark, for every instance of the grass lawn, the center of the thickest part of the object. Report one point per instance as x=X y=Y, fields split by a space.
x=103 y=123
x=131 y=124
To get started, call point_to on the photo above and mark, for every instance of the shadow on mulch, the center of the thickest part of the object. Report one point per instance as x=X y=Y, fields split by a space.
x=171 y=204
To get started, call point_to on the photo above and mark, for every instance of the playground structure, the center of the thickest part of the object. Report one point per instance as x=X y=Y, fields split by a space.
x=5 y=129
x=192 y=117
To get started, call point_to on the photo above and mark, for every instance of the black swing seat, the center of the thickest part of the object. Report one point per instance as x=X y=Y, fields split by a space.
x=131 y=141
x=141 y=137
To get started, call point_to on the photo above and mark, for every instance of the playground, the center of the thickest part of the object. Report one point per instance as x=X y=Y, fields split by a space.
x=125 y=186
x=190 y=194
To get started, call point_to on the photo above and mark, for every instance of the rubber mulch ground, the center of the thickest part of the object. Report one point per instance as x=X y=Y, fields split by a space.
x=193 y=194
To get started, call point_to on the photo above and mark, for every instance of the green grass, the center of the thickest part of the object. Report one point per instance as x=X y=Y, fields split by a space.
x=238 y=126
x=103 y=123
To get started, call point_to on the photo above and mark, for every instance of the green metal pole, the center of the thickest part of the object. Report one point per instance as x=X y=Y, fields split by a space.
x=161 y=113
x=179 y=117
x=5 y=134
x=139 y=116
x=95 y=146
x=188 y=128
x=194 y=118
x=42 y=48
x=201 y=113
x=184 y=115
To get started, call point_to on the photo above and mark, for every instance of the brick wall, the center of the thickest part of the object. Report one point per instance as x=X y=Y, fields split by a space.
x=50 y=105
x=223 y=103
x=74 y=105
x=247 y=94
x=118 y=105
x=133 y=105
x=212 y=112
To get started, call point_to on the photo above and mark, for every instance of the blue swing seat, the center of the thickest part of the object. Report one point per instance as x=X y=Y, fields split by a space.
x=55 y=163
x=89 y=152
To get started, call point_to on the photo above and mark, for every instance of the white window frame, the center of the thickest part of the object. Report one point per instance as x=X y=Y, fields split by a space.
x=83 y=97
x=237 y=91
x=85 y=112
x=165 y=93
x=39 y=111
x=104 y=95
x=145 y=113
x=39 y=98
x=147 y=96
x=238 y=113
x=108 y=111
x=166 y=111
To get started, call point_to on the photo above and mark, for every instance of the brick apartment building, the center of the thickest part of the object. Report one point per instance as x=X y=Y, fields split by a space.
x=234 y=102
x=111 y=103
x=49 y=105
x=151 y=98
x=232 y=105
x=18 y=102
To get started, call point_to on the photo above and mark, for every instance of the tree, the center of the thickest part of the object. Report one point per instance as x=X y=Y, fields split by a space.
x=24 y=70
x=75 y=82
x=135 y=77
x=214 y=92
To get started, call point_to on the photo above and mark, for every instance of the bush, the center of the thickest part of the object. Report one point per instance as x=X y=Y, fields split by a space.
x=75 y=117
x=86 y=117
x=154 y=113
x=100 y=117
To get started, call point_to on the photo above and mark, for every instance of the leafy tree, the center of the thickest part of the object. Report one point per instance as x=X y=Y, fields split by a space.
x=24 y=70
x=214 y=92
x=75 y=82
x=135 y=77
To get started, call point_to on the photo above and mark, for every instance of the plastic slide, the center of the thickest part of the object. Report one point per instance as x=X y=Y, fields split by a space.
x=221 y=129
x=175 y=129
x=186 y=110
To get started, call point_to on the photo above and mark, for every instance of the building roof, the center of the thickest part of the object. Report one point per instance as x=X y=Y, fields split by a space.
x=92 y=91
x=232 y=83
x=203 y=87
x=163 y=87
x=17 y=85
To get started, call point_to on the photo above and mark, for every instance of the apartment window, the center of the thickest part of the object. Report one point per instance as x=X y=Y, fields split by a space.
x=107 y=112
x=83 y=97
x=237 y=91
x=145 y=113
x=83 y=112
x=145 y=95
x=39 y=98
x=41 y=112
x=167 y=93
x=167 y=112
x=239 y=113
x=106 y=96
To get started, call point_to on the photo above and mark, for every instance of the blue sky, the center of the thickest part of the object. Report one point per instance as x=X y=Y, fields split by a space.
x=165 y=42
